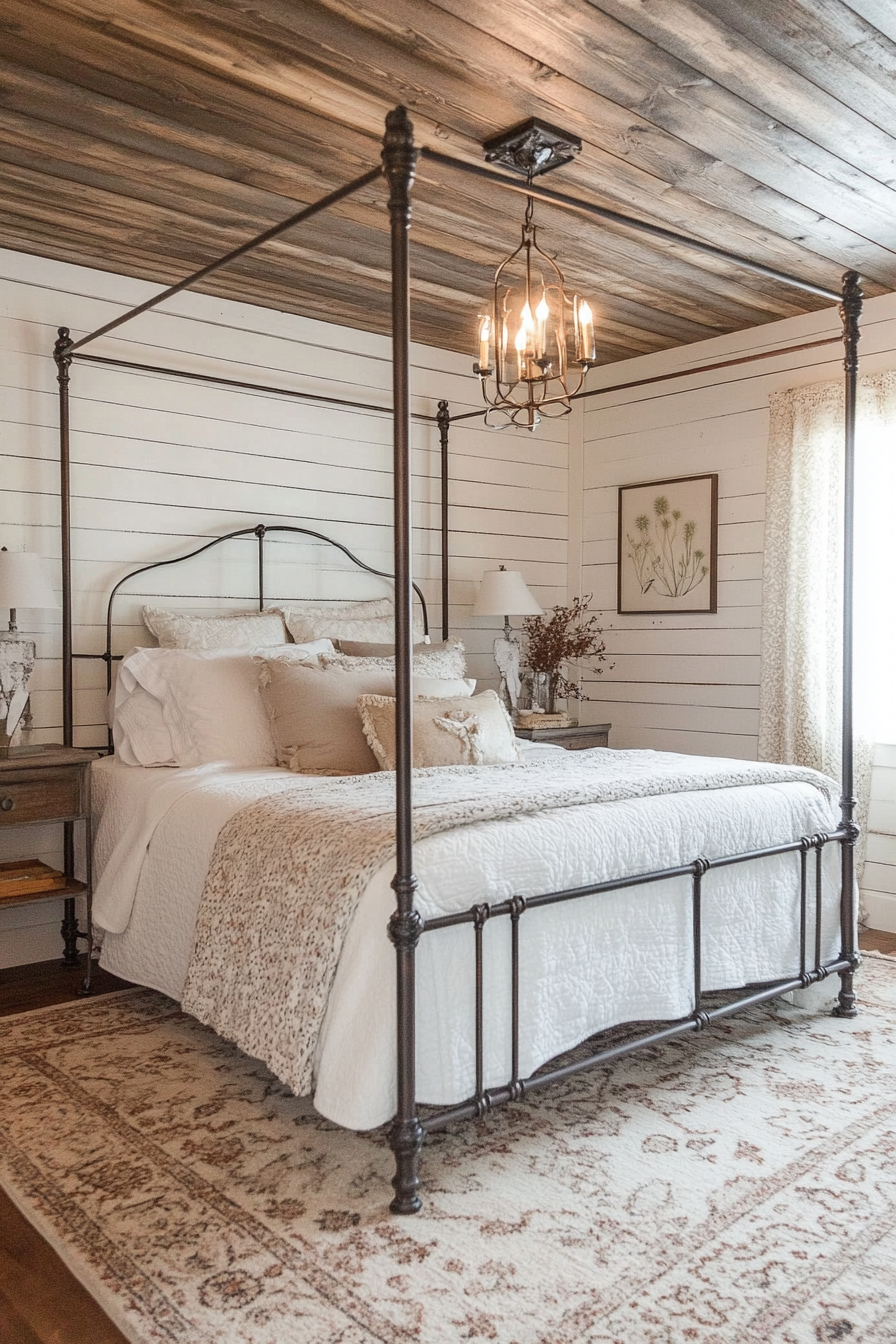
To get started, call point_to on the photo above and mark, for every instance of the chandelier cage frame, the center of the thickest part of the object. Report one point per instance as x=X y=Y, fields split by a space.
x=532 y=320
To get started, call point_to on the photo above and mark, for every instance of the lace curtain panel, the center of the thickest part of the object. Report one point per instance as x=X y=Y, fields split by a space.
x=801 y=672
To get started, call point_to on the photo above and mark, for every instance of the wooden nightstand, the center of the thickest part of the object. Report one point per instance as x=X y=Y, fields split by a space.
x=573 y=739
x=49 y=784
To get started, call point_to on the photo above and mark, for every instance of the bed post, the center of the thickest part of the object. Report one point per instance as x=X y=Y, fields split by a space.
x=405 y=926
x=850 y=312
x=443 y=420
x=62 y=354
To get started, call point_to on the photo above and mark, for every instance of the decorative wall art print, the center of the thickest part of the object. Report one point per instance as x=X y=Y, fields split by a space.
x=668 y=546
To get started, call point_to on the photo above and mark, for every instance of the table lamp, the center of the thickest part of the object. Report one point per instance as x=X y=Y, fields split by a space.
x=503 y=592
x=23 y=583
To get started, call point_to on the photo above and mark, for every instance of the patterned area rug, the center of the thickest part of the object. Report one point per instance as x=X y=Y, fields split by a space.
x=739 y=1186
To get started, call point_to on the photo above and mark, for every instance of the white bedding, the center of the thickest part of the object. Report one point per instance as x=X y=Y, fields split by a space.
x=585 y=965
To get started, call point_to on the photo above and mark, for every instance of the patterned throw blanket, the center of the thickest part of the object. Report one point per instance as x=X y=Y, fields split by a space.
x=288 y=871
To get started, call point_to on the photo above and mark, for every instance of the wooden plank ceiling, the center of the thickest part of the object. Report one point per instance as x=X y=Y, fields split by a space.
x=148 y=136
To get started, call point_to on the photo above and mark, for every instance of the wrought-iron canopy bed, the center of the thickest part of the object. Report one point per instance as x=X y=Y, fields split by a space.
x=407 y=926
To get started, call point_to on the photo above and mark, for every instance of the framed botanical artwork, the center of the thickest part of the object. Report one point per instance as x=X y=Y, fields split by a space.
x=668 y=542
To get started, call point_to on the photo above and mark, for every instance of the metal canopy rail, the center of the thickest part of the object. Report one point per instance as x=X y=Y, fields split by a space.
x=220 y=381
x=309 y=211
x=630 y=222
x=682 y=373
x=407 y=925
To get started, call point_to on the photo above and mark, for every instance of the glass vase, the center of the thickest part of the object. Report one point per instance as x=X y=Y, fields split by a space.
x=542 y=693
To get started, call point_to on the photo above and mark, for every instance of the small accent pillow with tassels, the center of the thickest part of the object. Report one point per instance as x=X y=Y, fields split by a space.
x=454 y=731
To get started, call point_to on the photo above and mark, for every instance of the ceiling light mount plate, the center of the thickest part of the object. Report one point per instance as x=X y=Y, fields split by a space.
x=532 y=148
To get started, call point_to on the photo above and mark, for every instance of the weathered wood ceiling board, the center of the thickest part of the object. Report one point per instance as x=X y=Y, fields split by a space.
x=149 y=136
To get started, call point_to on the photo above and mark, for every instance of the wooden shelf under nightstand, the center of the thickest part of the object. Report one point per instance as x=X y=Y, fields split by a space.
x=50 y=785
x=577 y=738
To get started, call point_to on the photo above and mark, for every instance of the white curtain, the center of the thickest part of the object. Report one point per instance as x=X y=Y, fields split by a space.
x=800 y=682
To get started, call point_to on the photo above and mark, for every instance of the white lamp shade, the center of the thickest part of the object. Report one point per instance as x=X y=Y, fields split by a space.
x=503 y=592
x=23 y=582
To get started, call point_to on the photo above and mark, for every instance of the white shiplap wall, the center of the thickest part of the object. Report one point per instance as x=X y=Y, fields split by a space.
x=691 y=683
x=160 y=463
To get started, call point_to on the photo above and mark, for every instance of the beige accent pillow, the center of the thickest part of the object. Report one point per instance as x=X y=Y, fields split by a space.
x=313 y=714
x=235 y=630
x=446 y=660
x=456 y=731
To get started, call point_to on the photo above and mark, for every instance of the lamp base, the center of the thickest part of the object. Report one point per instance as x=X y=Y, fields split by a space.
x=16 y=666
x=507 y=658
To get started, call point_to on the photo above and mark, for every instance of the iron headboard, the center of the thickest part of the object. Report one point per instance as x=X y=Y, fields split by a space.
x=260 y=532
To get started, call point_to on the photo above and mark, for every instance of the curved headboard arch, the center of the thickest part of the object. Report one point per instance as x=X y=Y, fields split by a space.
x=260 y=531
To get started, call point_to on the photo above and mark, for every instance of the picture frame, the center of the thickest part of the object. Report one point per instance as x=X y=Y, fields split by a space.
x=667 y=546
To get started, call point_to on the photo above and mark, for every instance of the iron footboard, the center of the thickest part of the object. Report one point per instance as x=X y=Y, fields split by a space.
x=811 y=970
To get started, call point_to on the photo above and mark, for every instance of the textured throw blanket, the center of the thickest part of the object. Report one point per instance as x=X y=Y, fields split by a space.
x=288 y=872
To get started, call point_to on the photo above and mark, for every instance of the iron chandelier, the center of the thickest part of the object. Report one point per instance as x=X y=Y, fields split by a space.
x=541 y=342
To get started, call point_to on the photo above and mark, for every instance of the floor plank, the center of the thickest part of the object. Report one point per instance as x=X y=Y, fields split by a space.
x=44 y=983
x=41 y=1302
x=875 y=940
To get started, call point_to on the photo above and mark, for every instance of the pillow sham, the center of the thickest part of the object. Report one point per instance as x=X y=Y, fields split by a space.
x=313 y=715
x=369 y=621
x=209 y=704
x=456 y=731
x=360 y=648
x=234 y=630
x=139 y=718
x=438 y=660
x=442 y=687
x=140 y=734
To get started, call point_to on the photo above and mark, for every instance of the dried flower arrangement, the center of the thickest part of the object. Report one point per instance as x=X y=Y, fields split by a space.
x=569 y=635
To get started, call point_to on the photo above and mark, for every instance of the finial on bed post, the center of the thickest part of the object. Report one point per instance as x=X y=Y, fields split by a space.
x=405 y=926
x=850 y=312
x=443 y=420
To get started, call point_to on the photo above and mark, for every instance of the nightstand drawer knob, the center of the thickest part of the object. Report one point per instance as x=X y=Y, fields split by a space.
x=7 y=804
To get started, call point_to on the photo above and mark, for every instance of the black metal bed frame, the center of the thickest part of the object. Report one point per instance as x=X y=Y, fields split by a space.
x=406 y=925
x=260 y=531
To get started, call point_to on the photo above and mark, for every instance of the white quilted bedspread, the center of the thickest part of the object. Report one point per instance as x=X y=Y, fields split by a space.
x=624 y=956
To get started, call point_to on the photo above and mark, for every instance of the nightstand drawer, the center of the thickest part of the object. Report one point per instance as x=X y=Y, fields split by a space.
x=578 y=738
x=46 y=795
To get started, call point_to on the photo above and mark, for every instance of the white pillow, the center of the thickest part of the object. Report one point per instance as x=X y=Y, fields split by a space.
x=237 y=630
x=443 y=687
x=369 y=621
x=442 y=660
x=139 y=731
x=144 y=706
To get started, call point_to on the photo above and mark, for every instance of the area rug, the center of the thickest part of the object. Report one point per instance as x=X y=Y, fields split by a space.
x=736 y=1187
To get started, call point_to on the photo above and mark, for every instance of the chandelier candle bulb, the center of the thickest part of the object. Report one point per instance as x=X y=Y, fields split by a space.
x=485 y=332
x=522 y=363
x=541 y=314
x=585 y=324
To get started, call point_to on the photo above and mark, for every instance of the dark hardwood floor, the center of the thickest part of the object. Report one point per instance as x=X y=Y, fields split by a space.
x=41 y=1302
x=44 y=983
x=872 y=940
